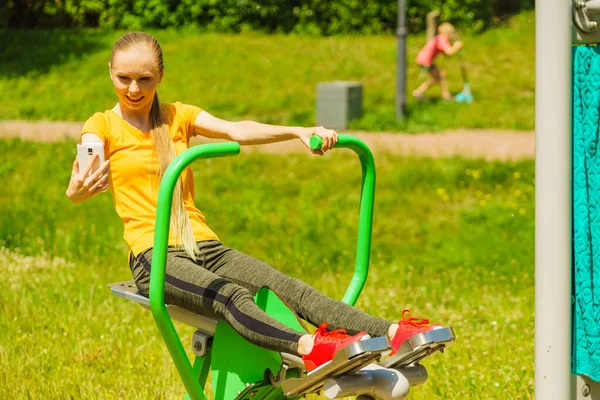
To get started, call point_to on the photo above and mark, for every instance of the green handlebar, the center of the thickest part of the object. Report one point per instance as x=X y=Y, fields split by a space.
x=316 y=142
x=159 y=258
x=365 y=222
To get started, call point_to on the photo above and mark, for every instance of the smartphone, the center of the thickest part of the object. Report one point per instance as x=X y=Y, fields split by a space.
x=85 y=152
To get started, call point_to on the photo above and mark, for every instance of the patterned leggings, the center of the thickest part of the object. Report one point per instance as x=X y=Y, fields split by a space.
x=222 y=283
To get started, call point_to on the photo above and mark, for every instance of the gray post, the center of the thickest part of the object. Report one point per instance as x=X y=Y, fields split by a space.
x=401 y=32
x=553 y=200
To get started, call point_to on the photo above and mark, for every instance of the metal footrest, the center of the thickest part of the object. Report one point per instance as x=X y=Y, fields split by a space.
x=347 y=360
x=376 y=382
x=420 y=346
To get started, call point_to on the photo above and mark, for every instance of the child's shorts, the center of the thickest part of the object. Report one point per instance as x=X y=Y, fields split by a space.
x=426 y=68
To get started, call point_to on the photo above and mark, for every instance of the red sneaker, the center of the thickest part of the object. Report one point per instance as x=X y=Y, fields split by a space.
x=409 y=327
x=327 y=344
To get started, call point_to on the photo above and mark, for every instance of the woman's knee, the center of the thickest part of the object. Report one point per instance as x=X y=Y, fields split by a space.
x=297 y=291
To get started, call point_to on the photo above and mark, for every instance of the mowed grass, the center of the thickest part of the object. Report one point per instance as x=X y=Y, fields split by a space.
x=452 y=241
x=273 y=78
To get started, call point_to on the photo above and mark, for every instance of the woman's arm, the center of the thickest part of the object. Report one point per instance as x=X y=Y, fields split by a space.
x=250 y=132
x=84 y=185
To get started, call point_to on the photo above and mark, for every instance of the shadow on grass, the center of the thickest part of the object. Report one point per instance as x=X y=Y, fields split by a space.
x=34 y=51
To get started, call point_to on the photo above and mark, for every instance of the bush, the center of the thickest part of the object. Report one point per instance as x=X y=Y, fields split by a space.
x=269 y=16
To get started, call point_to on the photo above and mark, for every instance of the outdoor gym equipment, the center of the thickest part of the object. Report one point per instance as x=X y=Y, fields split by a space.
x=243 y=371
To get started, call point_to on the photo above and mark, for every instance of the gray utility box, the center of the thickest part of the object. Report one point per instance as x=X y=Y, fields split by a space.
x=337 y=103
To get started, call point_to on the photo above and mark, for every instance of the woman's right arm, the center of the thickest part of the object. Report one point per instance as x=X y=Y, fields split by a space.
x=83 y=185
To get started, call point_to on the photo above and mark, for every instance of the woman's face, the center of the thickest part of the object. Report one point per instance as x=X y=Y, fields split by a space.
x=135 y=76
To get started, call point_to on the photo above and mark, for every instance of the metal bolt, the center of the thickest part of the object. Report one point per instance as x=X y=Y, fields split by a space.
x=198 y=346
x=252 y=394
x=585 y=390
x=580 y=4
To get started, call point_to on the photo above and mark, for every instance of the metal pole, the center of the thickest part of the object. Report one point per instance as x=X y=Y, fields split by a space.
x=553 y=200
x=401 y=33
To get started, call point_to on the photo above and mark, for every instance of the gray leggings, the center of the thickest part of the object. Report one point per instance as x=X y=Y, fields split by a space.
x=221 y=284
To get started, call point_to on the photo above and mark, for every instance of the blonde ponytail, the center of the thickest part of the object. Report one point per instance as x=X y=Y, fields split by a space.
x=181 y=225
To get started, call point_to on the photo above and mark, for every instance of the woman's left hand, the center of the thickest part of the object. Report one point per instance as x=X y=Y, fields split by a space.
x=329 y=138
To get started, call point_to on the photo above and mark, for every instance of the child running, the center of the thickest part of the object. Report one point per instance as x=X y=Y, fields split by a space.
x=439 y=44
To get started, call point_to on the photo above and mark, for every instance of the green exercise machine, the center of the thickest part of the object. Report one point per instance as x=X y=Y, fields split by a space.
x=360 y=370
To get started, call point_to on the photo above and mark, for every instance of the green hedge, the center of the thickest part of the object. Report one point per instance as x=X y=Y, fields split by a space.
x=299 y=16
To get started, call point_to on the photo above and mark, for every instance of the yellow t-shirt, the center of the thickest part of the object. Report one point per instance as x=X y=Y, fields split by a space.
x=133 y=180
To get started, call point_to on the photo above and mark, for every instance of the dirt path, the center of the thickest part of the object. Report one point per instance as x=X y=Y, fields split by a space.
x=488 y=144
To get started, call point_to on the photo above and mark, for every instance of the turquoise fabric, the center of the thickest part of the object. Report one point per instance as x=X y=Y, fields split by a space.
x=586 y=212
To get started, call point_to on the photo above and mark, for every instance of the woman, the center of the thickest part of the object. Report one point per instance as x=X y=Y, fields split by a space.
x=141 y=136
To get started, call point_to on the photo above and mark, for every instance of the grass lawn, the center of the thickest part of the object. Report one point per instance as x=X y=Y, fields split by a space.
x=273 y=78
x=452 y=241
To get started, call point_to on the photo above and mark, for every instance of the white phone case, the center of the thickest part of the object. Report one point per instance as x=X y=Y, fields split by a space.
x=85 y=152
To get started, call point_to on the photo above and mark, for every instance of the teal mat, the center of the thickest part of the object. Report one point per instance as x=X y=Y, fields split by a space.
x=586 y=212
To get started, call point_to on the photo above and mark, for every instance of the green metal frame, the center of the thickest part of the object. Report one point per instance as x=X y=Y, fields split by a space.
x=194 y=377
x=365 y=221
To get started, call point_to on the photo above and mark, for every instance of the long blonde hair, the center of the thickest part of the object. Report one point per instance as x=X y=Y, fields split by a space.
x=181 y=226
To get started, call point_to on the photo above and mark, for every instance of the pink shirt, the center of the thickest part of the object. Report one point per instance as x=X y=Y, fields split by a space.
x=428 y=53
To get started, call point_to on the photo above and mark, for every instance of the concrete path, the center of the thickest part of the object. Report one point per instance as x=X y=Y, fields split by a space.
x=484 y=143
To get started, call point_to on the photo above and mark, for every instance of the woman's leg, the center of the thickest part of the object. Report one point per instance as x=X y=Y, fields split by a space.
x=306 y=301
x=195 y=288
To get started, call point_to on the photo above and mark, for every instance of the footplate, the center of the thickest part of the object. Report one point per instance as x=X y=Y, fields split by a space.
x=420 y=346
x=346 y=361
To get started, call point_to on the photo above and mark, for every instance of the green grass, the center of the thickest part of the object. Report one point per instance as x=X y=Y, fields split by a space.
x=452 y=240
x=273 y=78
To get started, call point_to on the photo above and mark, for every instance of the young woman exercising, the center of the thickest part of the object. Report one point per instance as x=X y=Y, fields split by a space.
x=141 y=137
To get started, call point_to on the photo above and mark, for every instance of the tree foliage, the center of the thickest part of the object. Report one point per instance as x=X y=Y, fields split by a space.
x=271 y=16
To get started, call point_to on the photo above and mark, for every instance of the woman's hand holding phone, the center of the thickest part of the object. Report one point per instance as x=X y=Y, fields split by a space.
x=86 y=184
